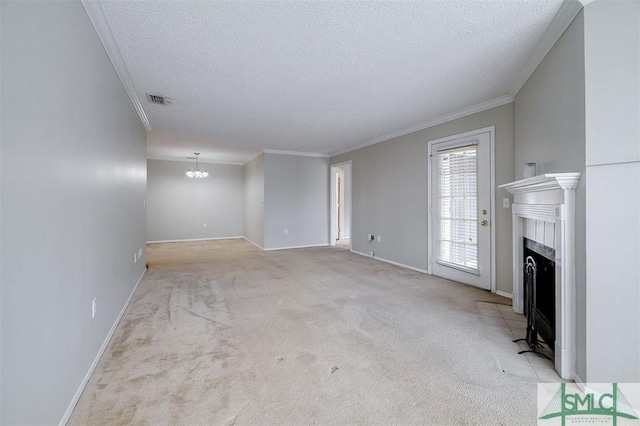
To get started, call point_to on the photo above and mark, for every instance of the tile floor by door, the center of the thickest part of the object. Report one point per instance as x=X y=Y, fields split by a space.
x=502 y=326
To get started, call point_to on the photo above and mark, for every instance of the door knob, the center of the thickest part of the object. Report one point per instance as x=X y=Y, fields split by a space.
x=484 y=223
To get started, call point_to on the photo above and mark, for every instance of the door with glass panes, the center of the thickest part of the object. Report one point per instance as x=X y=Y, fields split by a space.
x=460 y=180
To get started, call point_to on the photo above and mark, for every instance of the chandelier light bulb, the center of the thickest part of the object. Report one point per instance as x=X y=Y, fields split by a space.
x=196 y=172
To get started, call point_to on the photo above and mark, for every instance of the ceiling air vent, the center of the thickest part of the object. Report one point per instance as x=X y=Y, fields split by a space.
x=158 y=100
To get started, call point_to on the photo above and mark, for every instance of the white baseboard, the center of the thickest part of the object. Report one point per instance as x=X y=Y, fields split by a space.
x=103 y=348
x=254 y=243
x=194 y=239
x=504 y=294
x=296 y=247
x=362 y=254
x=413 y=268
x=579 y=382
x=284 y=248
x=402 y=265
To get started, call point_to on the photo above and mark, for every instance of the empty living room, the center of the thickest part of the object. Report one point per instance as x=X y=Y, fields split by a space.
x=221 y=212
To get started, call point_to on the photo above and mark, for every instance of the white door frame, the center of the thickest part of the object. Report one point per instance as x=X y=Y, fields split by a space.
x=492 y=156
x=347 y=194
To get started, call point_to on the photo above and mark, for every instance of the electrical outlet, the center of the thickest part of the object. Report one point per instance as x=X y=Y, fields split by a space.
x=204 y=226
x=505 y=203
x=286 y=231
x=371 y=237
x=93 y=307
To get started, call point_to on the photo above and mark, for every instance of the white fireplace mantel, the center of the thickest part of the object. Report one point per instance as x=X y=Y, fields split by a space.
x=549 y=200
x=546 y=182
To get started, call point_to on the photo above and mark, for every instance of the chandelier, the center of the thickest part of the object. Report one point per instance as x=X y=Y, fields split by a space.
x=197 y=172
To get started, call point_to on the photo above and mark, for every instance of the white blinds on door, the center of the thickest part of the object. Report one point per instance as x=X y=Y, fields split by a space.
x=458 y=195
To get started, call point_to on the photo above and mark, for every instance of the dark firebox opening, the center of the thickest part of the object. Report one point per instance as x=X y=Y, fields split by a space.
x=545 y=288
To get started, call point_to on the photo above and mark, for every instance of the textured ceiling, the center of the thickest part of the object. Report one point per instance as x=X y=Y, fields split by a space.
x=315 y=76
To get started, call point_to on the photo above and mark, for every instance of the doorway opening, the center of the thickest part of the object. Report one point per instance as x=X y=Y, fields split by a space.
x=340 y=205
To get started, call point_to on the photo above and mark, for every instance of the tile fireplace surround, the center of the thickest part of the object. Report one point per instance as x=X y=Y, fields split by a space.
x=544 y=210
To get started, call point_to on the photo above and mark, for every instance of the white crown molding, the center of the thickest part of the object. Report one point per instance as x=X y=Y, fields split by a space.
x=482 y=106
x=200 y=160
x=297 y=153
x=253 y=156
x=103 y=29
x=282 y=152
x=566 y=14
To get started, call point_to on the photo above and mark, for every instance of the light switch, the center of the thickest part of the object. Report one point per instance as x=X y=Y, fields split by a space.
x=505 y=203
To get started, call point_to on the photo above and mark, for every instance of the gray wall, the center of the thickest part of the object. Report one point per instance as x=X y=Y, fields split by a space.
x=296 y=199
x=550 y=131
x=73 y=184
x=389 y=192
x=178 y=207
x=254 y=200
x=612 y=98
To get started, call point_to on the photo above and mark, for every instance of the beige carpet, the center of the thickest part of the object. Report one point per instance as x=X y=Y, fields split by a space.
x=221 y=333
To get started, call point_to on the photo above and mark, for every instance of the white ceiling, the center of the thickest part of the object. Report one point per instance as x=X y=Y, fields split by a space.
x=314 y=76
